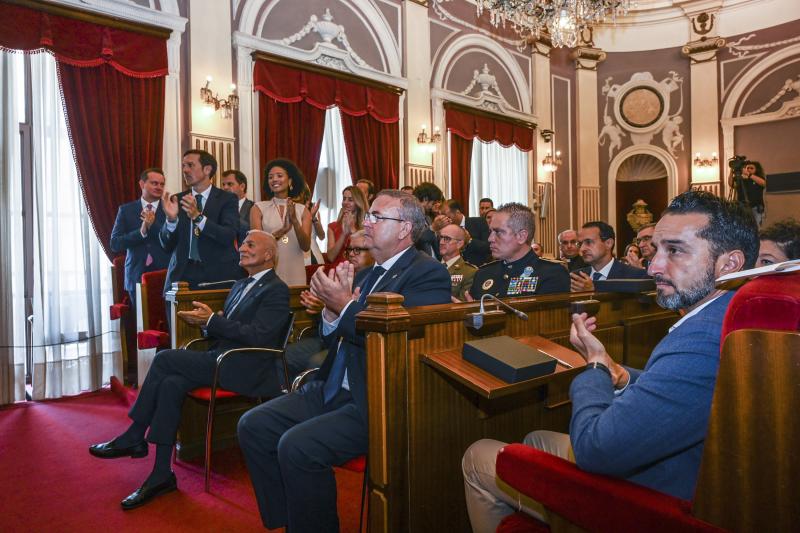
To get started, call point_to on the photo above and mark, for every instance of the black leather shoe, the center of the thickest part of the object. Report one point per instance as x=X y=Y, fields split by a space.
x=110 y=450
x=145 y=493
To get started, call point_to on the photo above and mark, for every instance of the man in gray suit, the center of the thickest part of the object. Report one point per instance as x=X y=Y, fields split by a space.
x=236 y=182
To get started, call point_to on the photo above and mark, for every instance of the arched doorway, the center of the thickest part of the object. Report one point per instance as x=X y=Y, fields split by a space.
x=639 y=177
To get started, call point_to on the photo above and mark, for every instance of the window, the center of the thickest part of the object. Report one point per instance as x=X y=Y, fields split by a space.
x=498 y=173
x=61 y=277
x=334 y=170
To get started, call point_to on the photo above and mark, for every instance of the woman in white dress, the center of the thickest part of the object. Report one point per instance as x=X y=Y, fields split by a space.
x=289 y=222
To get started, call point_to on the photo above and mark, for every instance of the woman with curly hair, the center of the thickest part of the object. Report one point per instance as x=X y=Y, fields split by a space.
x=289 y=222
x=780 y=242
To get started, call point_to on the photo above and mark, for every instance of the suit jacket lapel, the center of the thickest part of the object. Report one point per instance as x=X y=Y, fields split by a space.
x=260 y=284
x=396 y=270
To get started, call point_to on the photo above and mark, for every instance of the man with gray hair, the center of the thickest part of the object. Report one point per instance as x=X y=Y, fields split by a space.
x=517 y=271
x=569 y=249
x=291 y=443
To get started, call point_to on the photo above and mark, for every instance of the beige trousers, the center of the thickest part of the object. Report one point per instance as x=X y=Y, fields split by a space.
x=489 y=500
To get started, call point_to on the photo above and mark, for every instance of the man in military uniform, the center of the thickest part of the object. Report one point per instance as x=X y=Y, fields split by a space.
x=518 y=271
x=451 y=242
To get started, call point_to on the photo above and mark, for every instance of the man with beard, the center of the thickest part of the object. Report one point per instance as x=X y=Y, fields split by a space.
x=647 y=426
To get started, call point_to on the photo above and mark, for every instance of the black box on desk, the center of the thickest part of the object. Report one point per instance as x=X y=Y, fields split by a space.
x=508 y=359
x=625 y=285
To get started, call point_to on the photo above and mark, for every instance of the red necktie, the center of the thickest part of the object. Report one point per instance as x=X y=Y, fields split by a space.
x=149 y=260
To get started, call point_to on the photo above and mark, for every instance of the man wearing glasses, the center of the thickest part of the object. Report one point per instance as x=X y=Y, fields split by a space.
x=451 y=242
x=517 y=271
x=644 y=238
x=292 y=442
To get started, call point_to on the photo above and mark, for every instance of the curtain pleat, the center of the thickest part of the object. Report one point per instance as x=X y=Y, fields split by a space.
x=373 y=150
x=460 y=169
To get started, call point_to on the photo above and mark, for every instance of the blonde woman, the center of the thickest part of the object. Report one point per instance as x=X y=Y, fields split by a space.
x=351 y=219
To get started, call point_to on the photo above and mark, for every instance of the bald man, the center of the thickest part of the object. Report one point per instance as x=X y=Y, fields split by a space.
x=255 y=314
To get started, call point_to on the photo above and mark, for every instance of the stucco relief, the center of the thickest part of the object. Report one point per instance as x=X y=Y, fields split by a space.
x=327 y=30
x=640 y=109
x=789 y=86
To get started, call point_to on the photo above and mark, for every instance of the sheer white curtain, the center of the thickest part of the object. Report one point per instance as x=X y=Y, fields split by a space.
x=12 y=302
x=334 y=170
x=74 y=349
x=498 y=173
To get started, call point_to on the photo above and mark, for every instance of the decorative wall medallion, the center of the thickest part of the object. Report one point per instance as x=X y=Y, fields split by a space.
x=641 y=106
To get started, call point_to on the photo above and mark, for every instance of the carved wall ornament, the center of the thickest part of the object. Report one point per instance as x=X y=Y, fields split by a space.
x=641 y=107
x=789 y=86
x=703 y=23
x=327 y=30
x=738 y=49
x=486 y=81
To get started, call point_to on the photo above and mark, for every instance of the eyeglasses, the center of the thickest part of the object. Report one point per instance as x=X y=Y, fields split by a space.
x=355 y=250
x=373 y=218
x=569 y=243
x=640 y=240
x=445 y=239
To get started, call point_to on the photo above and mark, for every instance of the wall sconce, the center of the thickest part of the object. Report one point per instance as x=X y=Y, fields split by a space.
x=700 y=162
x=427 y=141
x=550 y=163
x=214 y=103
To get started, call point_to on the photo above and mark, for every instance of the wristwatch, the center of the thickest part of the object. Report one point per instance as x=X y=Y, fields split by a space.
x=601 y=366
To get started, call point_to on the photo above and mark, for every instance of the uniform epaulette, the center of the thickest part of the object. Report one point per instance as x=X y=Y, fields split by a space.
x=489 y=263
x=552 y=261
x=470 y=264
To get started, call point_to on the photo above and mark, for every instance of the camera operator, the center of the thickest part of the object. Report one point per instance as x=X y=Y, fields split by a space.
x=748 y=180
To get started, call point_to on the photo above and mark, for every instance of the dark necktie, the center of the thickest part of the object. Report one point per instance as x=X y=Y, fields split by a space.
x=239 y=294
x=194 y=244
x=596 y=276
x=336 y=376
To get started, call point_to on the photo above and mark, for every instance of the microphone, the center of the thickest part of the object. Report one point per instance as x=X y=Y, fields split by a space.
x=475 y=320
x=212 y=283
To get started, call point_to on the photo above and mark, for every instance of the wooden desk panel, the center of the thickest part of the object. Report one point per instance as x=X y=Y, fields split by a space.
x=422 y=418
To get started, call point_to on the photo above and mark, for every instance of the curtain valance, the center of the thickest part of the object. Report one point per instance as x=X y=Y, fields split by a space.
x=488 y=129
x=291 y=85
x=81 y=43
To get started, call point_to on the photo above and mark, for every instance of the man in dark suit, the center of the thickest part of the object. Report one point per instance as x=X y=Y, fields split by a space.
x=597 y=250
x=201 y=226
x=477 y=249
x=291 y=443
x=255 y=314
x=236 y=182
x=569 y=249
x=136 y=231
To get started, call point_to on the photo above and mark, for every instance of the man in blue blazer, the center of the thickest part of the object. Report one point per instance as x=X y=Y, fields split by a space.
x=256 y=313
x=201 y=226
x=597 y=250
x=136 y=231
x=647 y=426
x=291 y=443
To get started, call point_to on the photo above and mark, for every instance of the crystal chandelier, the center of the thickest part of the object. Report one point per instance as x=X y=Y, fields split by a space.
x=563 y=20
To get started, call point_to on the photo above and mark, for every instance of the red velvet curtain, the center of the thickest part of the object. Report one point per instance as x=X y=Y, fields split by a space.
x=112 y=81
x=373 y=150
x=464 y=127
x=116 y=124
x=370 y=119
x=460 y=168
x=291 y=131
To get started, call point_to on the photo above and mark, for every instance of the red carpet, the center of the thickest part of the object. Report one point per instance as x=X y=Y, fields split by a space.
x=49 y=482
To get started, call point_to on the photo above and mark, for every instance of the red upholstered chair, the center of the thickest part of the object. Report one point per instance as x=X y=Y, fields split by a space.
x=310 y=269
x=745 y=481
x=120 y=309
x=153 y=332
x=214 y=392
